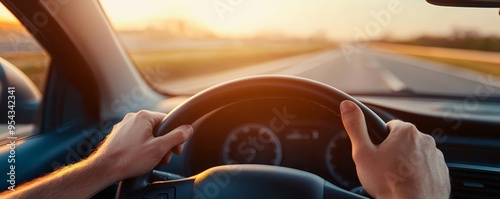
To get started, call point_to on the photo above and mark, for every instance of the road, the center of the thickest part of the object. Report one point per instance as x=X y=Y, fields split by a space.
x=367 y=71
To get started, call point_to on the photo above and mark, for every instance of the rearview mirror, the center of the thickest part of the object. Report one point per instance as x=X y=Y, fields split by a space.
x=467 y=3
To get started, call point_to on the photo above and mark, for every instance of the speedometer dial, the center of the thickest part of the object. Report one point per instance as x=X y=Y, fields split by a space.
x=339 y=161
x=252 y=144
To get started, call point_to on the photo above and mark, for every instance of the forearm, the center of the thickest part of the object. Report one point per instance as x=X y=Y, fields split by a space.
x=80 y=180
x=114 y=160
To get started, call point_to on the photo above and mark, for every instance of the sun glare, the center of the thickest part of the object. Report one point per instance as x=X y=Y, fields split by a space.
x=132 y=14
x=6 y=18
x=339 y=20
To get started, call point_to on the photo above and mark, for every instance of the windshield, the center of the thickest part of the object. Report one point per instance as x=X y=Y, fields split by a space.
x=382 y=46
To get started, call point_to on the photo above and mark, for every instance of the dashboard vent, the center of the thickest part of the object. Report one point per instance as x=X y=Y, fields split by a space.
x=472 y=181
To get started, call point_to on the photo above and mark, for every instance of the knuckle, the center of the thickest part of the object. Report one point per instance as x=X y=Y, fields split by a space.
x=393 y=123
x=440 y=154
x=142 y=113
x=129 y=115
x=399 y=128
x=409 y=127
x=180 y=135
x=429 y=140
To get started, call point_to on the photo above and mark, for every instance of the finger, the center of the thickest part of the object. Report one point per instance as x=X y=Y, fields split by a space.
x=145 y=117
x=128 y=116
x=355 y=125
x=173 y=138
x=399 y=129
x=157 y=116
x=178 y=149
x=154 y=117
x=166 y=159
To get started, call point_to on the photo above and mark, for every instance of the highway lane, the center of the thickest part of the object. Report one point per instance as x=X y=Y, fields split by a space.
x=365 y=72
x=374 y=71
x=356 y=74
x=422 y=76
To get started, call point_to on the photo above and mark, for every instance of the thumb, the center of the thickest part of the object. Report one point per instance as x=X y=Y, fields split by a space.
x=355 y=125
x=173 y=138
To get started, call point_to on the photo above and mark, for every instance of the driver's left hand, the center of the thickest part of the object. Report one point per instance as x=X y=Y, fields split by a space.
x=131 y=149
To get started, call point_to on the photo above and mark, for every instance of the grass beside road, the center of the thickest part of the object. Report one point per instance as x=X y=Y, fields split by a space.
x=483 y=67
x=480 y=61
x=168 y=65
x=173 y=65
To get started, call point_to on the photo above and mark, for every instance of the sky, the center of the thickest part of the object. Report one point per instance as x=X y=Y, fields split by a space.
x=6 y=16
x=339 y=20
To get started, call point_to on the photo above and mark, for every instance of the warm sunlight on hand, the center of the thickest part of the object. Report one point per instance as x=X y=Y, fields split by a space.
x=131 y=149
x=406 y=164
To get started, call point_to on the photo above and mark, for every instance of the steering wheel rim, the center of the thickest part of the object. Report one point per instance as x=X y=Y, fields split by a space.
x=263 y=87
x=257 y=87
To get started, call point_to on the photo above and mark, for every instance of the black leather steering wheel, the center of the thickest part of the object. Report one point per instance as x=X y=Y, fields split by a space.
x=251 y=181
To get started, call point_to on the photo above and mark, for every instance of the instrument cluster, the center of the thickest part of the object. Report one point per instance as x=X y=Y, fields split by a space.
x=289 y=133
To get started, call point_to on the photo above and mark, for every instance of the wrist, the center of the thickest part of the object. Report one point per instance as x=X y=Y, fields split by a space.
x=418 y=192
x=103 y=168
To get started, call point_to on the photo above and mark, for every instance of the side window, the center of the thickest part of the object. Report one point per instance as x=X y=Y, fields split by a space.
x=23 y=68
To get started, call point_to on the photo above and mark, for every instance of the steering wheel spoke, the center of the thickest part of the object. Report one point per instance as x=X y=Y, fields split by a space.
x=239 y=181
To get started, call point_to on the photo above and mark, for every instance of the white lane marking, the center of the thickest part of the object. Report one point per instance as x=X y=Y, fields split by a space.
x=394 y=83
x=311 y=63
x=442 y=68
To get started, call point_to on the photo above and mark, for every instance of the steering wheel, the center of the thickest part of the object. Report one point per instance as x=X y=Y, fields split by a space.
x=250 y=181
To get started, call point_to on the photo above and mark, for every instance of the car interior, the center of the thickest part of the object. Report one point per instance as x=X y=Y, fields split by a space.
x=267 y=121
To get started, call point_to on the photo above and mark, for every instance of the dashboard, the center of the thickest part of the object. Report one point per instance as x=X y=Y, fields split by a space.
x=303 y=135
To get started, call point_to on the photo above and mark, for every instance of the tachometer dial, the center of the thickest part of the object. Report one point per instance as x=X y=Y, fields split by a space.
x=339 y=161
x=252 y=144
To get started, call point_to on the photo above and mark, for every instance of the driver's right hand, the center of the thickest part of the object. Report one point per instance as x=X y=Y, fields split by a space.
x=406 y=165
